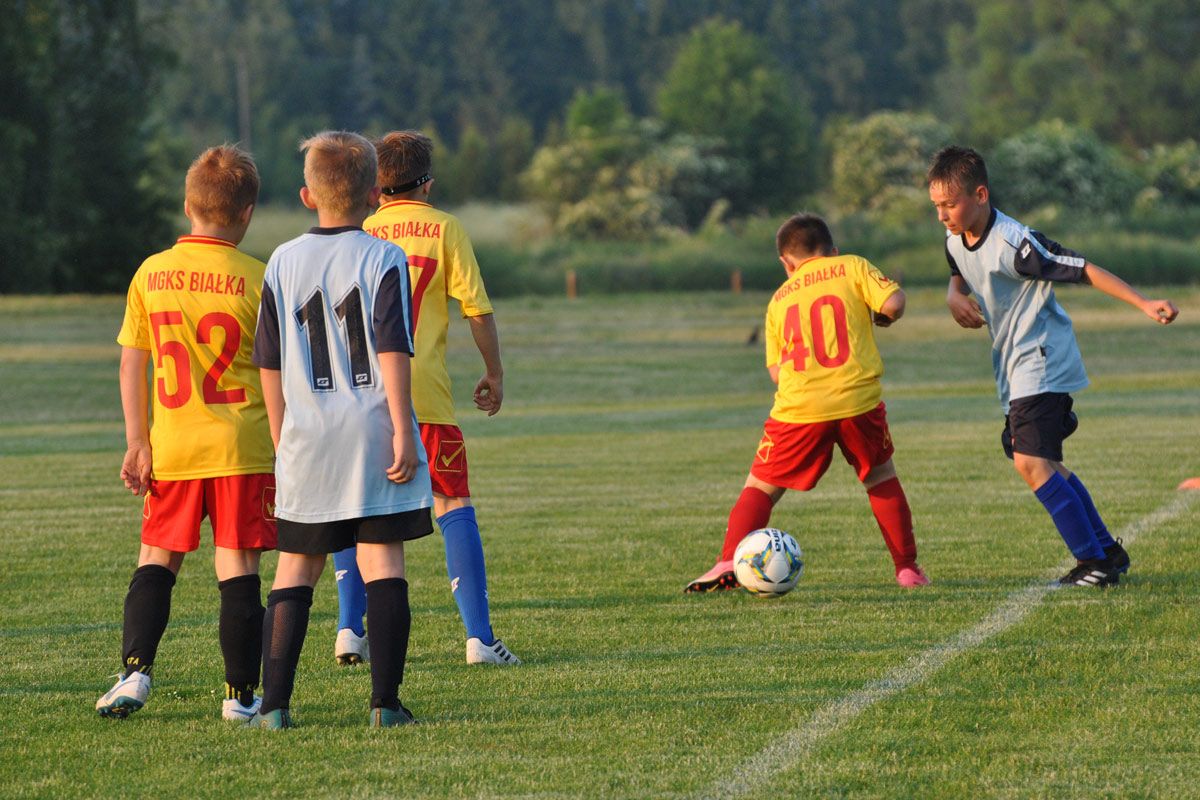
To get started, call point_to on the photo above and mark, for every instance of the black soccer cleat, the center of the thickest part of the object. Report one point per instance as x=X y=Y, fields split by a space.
x=1117 y=555
x=1096 y=572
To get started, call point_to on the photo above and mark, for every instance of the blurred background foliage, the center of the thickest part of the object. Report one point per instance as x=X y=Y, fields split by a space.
x=641 y=143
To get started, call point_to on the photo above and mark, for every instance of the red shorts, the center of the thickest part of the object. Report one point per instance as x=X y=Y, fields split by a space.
x=241 y=508
x=795 y=455
x=447 y=459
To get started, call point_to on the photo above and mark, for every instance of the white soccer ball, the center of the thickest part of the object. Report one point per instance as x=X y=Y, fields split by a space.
x=768 y=562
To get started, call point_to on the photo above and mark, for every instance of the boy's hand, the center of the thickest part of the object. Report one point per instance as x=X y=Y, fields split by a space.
x=965 y=310
x=1162 y=311
x=489 y=394
x=404 y=467
x=135 y=468
x=881 y=320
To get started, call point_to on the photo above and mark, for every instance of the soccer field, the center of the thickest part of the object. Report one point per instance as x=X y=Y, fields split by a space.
x=603 y=487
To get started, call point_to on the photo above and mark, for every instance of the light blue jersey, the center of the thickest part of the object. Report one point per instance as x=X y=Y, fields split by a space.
x=333 y=299
x=1012 y=270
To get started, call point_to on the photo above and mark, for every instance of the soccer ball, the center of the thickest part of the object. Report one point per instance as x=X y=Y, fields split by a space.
x=768 y=562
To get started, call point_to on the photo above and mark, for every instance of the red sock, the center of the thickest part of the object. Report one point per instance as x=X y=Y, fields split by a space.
x=751 y=512
x=890 y=507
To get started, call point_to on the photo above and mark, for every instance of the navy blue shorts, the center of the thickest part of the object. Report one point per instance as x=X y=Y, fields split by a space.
x=1038 y=424
x=316 y=538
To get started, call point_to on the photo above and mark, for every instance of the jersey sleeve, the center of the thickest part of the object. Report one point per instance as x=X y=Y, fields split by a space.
x=771 y=338
x=1041 y=258
x=134 y=331
x=390 y=315
x=267 y=353
x=875 y=287
x=464 y=282
x=950 y=259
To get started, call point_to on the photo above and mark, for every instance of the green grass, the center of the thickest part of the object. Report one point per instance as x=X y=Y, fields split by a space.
x=602 y=487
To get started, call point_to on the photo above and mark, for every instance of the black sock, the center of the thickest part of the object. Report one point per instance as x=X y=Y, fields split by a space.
x=388 y=623
x=240 y=630
x=284 y=627
x=147 y=609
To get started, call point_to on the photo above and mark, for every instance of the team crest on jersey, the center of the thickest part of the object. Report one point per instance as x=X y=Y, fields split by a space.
x=881 y=279
x=764 y=448
x=451 y=456
x=268 y=504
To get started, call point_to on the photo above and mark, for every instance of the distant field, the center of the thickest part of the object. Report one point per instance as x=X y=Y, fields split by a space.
x=603 y=486
x=520 y=256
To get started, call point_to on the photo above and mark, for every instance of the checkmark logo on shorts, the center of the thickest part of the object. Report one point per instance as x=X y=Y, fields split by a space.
x=451 y=456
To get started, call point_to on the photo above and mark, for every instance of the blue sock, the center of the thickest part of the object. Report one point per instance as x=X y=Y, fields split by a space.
x=468 y=576
x=352 y=592
x=1098 y=527
x=1070 y=517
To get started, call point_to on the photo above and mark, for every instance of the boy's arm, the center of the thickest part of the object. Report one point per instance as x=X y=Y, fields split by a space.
x=891 y=310
x=272 y=389
x=396 y=370
x=489 y=392
x=1162 y=311
x=963 y=307
x=135 y=403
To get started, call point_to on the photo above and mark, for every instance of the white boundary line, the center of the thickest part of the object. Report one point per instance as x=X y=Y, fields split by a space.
x=758 y=770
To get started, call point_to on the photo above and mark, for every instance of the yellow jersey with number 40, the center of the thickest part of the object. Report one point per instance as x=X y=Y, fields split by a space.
x=194 y=307
x=819 y=333
x=441 y=266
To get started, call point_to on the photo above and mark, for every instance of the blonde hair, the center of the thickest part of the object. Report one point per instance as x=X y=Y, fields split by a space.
x=404 y=157
x=220 y=184
x=339 y=170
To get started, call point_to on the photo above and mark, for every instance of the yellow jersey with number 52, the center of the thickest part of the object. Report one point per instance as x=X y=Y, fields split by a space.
x=819 y=333
x=441 y=266
x=194 y=307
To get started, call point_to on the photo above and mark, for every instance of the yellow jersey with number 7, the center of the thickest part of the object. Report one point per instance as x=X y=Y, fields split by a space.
x=819 y=333
x=195 y=307
x=441 y=266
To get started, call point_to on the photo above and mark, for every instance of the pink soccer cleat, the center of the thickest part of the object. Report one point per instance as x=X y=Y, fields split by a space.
x=908 y=577
x=719 y=577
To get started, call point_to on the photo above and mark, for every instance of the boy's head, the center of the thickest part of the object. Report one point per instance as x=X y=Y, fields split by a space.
x=405 y=161
x=339 y=173
x=802 y=237
x=221 y=186
x=958 y=188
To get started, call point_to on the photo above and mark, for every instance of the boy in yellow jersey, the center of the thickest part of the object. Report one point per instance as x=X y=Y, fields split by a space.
x=191 y=311
x=442 y=267
x=821 y=352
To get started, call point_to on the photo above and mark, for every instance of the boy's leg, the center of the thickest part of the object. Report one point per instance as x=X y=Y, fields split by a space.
x=147 y=610
x=866 y=443
x=751 y=511
x=285 y=625
x=350 y=647
x=352 y=594
x=389 y=620
x=1098 y=527
x=465 y=565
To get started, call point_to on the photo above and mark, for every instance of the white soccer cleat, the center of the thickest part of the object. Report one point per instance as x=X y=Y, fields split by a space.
x=126 y=696
x=495 y=653
x=351 y=648
x=233 y=711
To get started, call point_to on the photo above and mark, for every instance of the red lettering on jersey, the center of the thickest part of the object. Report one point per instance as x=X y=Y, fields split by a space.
x=194 y=284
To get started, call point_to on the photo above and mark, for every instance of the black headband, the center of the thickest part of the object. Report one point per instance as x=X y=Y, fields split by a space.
x=408 y=187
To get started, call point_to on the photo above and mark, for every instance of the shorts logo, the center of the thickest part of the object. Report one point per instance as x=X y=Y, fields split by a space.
x=764 y=448
x=1025 y=251
x=450 y=456
x=268 y=504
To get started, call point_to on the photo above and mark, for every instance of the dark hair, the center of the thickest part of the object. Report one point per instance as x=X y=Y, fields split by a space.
x=404 y=157
x=958 y=168
x=804 y=234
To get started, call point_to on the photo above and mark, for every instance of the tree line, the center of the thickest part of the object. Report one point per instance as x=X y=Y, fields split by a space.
x=623 y=116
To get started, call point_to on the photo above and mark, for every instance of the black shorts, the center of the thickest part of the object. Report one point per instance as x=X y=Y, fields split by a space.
x=1038 y=424
x=317 y=538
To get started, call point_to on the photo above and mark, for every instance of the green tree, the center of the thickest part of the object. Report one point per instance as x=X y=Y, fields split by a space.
x=879 y=163
x=1055 y=164
x=86 y=204
x=724 y=84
